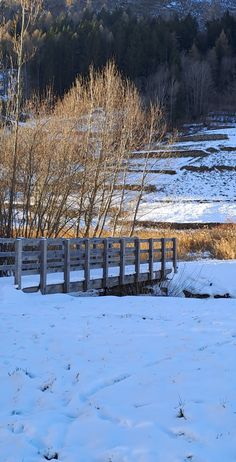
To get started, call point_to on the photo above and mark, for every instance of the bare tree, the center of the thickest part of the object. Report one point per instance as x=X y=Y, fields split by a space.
x=24 y=18
x=76 y=160
x=162 y=89
x=197 y=83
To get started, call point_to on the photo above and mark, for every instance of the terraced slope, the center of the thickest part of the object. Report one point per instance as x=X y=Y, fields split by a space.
x=195 y=181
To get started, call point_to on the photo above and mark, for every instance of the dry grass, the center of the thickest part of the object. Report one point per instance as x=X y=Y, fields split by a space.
x=204 y=137
x=218 y=242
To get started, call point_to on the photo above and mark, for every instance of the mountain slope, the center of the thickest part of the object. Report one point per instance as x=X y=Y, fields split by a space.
x=206 y=8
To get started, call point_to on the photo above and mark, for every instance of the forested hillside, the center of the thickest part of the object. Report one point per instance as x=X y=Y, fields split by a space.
x=185 y=66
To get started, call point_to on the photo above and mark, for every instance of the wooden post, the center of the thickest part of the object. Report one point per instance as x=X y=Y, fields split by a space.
x=105 y=263
x=67 y=266
x=163 y=258
x=122 y=261
x=87 y=265
x=175 y=255
x=18 y=262
x=137 y=259
x=151 y=259
x=43 y=266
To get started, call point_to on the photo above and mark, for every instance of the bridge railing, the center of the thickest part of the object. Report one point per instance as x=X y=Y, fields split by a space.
x=109 y=261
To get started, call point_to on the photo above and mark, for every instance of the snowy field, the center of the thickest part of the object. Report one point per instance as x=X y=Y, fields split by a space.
x=138 y=379
x=201 y=183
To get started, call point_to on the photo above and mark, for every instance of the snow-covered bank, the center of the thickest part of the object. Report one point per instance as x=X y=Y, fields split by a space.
x=139 y=379
x=216 y=278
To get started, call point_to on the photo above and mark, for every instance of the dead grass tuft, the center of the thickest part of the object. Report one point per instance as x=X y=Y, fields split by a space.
x=218 y=242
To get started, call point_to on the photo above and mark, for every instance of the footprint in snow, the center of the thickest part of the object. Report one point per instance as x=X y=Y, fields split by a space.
x=104 y=384
x=16 y=427
x=16 y=412
x=183 y=433
x=138 y=405
x=47 y=386
x=122 y=422
x=51 y=455
x=204 y=347
x=19 y=370
x=225 y=342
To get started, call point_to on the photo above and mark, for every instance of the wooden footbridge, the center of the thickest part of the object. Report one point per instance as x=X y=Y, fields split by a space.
x=72 y=265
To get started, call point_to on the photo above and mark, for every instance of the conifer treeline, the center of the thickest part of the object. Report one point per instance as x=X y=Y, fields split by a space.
x=187 y=68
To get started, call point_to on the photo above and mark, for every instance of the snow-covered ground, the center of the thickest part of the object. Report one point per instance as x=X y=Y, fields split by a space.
x=206 y=193
x=138 y=379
